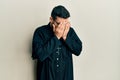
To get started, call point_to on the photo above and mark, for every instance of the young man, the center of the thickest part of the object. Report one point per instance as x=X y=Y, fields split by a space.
x=53 y=46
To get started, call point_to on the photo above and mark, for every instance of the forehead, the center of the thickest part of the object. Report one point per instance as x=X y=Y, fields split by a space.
x=59 y=19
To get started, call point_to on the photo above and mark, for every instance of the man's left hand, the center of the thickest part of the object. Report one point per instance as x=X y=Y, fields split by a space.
x=66 y=30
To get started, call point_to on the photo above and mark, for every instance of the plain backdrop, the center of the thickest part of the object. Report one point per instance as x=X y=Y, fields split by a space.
x=97 y=23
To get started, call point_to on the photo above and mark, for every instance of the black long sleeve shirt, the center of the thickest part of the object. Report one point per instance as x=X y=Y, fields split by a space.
x=54 y=56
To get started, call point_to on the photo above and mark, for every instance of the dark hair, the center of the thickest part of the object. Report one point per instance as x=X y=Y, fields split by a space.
x=60 y=11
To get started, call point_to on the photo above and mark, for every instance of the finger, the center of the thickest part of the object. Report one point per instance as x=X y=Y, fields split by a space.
x=68 y=24
x=61 y=26
x=53 y=27
x=66 y=29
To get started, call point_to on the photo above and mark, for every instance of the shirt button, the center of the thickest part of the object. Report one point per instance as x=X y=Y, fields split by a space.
x=57 y=58
x=58 y=52
x=57 y=65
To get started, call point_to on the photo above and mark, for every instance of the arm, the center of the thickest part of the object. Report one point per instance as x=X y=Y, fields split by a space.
x=73 y=42
x=41 y=50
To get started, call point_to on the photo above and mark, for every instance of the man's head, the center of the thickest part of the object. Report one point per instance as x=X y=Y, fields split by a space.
x=59 y=14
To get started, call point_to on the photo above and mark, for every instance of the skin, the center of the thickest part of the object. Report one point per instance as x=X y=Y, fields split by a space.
x=60 y=26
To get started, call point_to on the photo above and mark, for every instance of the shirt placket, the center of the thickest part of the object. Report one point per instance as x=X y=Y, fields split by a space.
x=58 y=54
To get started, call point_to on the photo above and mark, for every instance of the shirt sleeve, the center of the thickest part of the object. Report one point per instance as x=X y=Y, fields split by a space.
x=73 y=42
x=41 y=50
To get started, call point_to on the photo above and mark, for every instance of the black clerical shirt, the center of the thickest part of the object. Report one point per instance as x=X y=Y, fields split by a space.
x=54 y=56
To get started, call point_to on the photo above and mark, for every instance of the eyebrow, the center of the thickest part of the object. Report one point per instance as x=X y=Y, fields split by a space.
x=57 y=22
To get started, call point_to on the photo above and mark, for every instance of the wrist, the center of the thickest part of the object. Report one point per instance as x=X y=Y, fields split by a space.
x=58 y=37
x=64 y=38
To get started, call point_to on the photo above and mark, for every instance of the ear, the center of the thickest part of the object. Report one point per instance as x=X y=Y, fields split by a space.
x=51 y=20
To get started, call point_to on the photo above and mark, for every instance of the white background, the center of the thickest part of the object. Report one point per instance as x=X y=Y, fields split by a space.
x=97 y=23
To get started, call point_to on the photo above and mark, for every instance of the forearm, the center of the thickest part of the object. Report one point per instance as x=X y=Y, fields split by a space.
x=42 y=51
x=73 y=42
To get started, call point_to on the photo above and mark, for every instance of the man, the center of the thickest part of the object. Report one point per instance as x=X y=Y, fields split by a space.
x=53 y=46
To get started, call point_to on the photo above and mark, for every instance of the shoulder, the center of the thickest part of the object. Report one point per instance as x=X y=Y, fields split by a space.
x=40 y=28
x=71 y=30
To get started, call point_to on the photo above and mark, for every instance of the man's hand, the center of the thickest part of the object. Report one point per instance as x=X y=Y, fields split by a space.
x=66 y=30
x=61 y=30
x=58 y=30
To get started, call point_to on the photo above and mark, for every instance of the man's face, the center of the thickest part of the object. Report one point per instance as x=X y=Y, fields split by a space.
x=58 y=20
